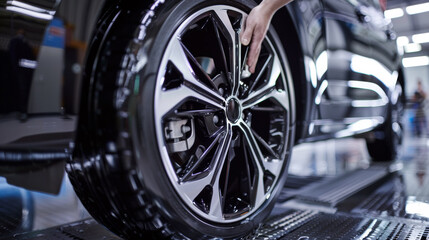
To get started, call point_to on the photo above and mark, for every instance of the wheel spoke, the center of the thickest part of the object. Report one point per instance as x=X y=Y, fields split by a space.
x=274 y=166
x=197 y=112
x=262 y=165
x=258 y=191
x=193 y=188
x=260 y=74
x=268 y=90
x=216 y=208
x=281 y=97
x=178 y=56
x=265 y=145
x=221 y=155
x=201 y=159
x=227 y=27
x=237 y=69
x=268 y=109
x=224 y=63
x=205 y=78
x=172 y=99
x=235 y=48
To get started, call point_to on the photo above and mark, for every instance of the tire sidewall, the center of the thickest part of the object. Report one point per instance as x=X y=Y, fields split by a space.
x=155 y=179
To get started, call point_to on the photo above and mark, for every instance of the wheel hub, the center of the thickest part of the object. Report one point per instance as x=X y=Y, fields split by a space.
x=233 y=110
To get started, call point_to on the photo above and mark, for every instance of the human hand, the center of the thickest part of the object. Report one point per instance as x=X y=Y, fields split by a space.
x=255 y=28
x=253 y=32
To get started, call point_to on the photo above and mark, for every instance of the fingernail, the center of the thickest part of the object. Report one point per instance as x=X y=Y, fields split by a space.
x=245 y=41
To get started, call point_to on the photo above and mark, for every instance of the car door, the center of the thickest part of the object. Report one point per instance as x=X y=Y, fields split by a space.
x=347 y=95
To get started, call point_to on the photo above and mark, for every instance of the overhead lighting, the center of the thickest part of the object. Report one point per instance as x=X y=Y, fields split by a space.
x=421 y=38
x=412 y=48
x=402 y=40
x=26 y=63
x=394 y=13
x=418 y=8
x=27 y=12
x=415 y=61
x=29 y=7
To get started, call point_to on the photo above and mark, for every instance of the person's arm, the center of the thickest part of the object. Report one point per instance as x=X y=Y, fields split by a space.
x=256 y=26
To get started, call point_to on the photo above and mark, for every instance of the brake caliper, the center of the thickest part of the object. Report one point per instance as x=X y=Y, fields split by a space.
x=180 y=134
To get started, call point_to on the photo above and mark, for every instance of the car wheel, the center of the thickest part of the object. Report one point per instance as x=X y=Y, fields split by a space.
x=386 y=141
x=176 y=138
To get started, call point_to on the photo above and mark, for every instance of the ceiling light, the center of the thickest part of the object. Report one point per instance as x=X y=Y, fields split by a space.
x=421 y=38
x=412 y=48
x=27 y=12
x=402 y=40
x=415 y=61
x=29 y=7
x=418 y=8
x=394 y=13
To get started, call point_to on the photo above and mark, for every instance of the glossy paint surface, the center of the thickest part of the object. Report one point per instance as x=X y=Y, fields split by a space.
x=350 y=68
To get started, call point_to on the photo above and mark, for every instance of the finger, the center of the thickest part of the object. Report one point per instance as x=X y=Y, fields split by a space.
x=243 y=26
x=253 y=57
x=247 y=33
x=255 y=49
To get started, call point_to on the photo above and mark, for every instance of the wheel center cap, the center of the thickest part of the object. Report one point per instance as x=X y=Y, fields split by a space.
x=233 y=110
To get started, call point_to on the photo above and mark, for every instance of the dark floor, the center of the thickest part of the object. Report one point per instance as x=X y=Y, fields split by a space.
x=333 y=192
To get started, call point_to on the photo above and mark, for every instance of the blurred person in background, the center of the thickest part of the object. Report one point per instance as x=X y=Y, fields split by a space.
x=419 y=97
x=21 y=52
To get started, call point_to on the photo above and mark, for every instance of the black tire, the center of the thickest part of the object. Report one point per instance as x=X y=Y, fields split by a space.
x=384 y=145
x=125 y=162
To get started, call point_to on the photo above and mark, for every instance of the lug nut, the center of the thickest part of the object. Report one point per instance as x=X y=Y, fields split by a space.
x=221 y=91
x=215 y=119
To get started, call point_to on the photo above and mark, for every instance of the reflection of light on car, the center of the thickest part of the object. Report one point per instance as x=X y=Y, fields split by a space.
x=29 y=10
x=322 y=64
x=401 y=42
x=322 y=90
x=417 y=207
x=360 y=126
x=312 y=72
x=372 y=67
x=370 y=87
x=415 y=61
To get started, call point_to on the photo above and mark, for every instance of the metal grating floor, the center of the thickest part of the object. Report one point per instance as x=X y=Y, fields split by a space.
x=338 y=226
x=333 y=190
x=371 y=203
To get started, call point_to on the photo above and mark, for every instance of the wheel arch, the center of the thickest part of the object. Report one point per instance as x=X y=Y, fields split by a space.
x=286 y=27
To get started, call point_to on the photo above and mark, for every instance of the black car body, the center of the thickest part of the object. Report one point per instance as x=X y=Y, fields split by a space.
x=342 y=57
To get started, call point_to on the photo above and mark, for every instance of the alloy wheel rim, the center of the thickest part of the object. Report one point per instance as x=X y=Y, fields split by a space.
x=222 y=137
